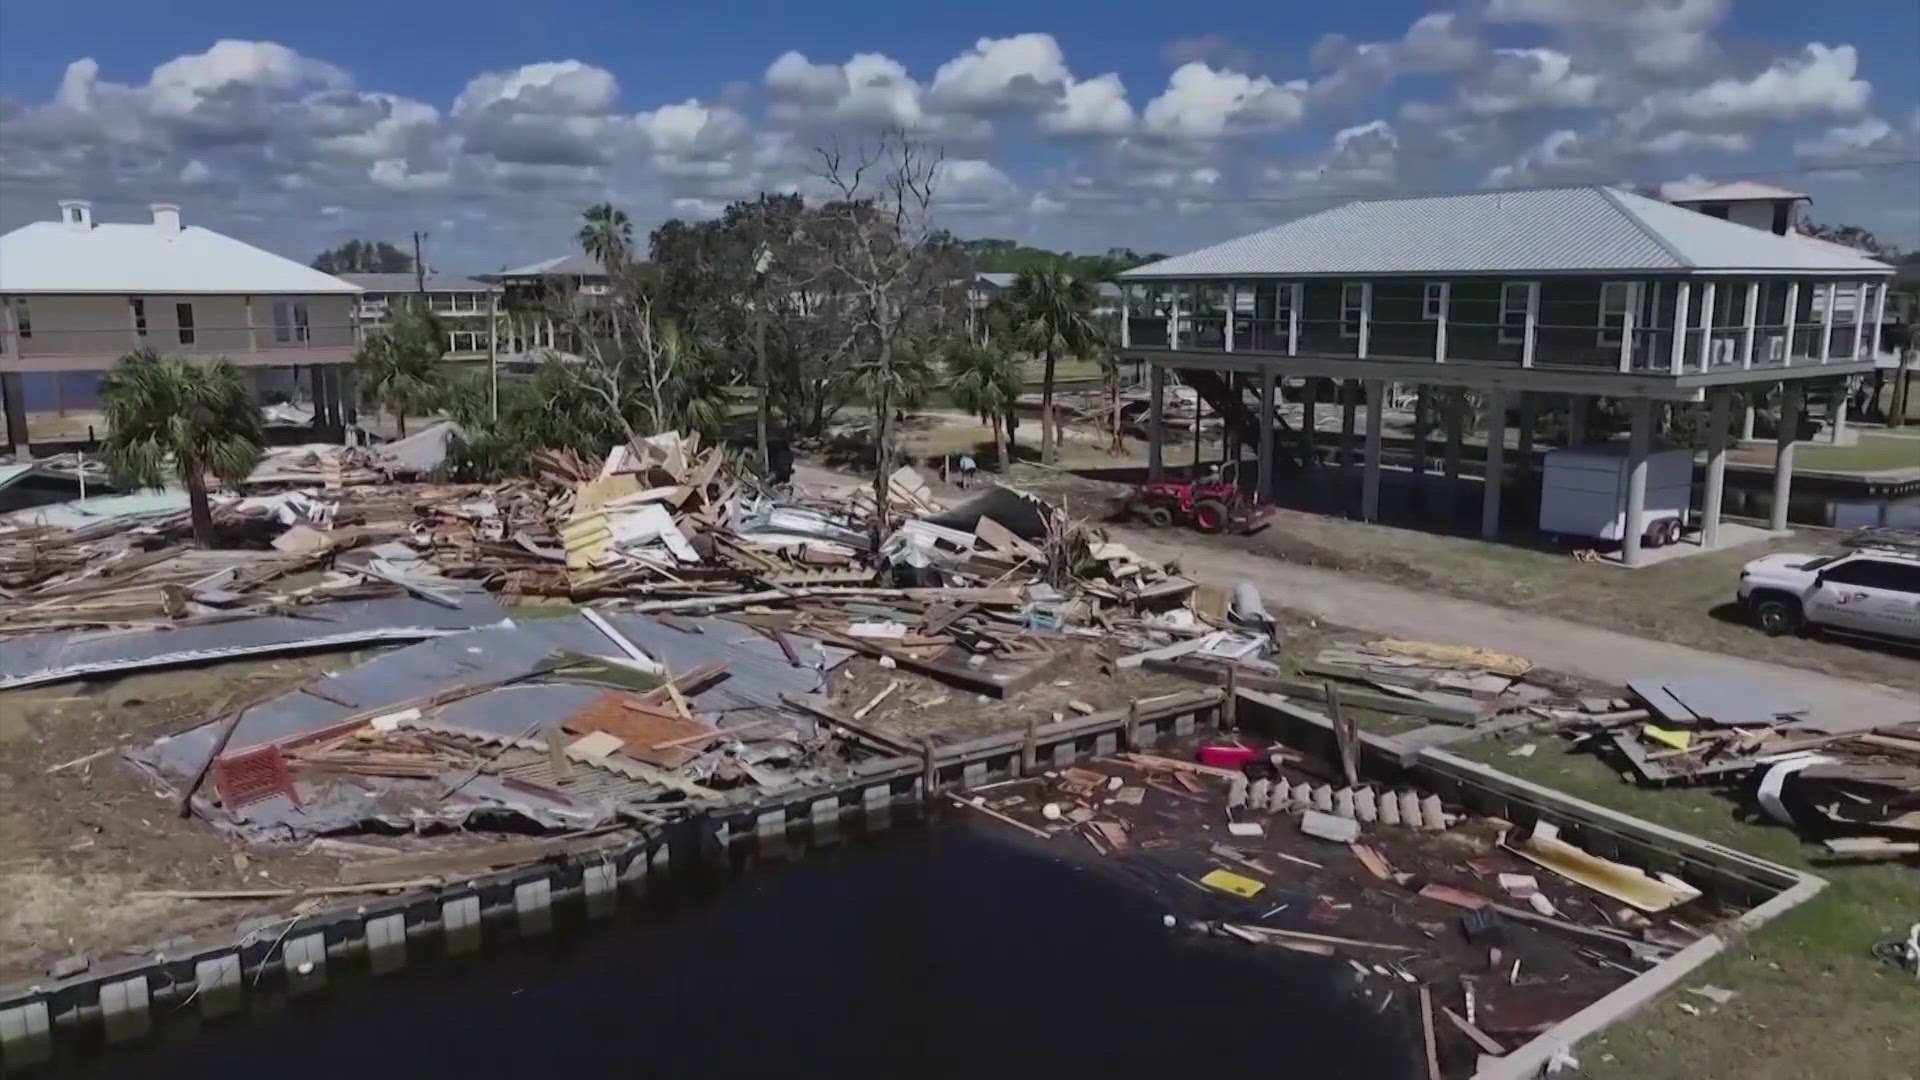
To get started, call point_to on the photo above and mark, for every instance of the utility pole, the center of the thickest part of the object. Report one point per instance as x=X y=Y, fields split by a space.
x=419 y=268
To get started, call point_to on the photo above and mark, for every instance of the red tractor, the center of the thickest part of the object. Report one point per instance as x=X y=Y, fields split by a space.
x=1212 y=503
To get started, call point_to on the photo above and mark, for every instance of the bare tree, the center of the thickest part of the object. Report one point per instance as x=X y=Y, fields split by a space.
x=881 y=250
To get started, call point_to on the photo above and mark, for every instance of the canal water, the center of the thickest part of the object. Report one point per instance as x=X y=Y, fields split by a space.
x=946 y=953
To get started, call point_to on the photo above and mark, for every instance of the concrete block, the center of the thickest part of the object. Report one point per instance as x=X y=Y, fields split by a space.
x=1366 y=805
x=1389 y=809
x=1106 y=743
x=217 y=986
x=771 y=827
x=1323 y=798
x=1259 y=793
x=26 y=1036
x=1327 y=827
x=1433 y=817
x=1410 y=809
x=1184 y=724
x=1065 y=754
x=1236 y=792
x=974 y=774
x=460 y=919
x=1282 y=794
x=826 y=819
x=387 y=943
x=599 y=887
x=533 y=906
x=1343 y=803
x=878 y=804
x=662 y=860
x=633 y=879
x=305 y=958
x=126 y=1009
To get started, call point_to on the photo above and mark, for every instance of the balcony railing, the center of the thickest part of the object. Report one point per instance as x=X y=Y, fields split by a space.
x=195 y=341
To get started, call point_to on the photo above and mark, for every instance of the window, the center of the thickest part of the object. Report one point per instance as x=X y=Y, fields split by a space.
x=183 y=318
x=73 y=213
x=139 y=309
x=1513 y=312
x=1782 y=218
x=1616 y=297
x=22 y=319
x=1715 y=209
x=1353 y=308
x=1433 y=304
x=463 y=341
x=290 y=321
x=1875 y=574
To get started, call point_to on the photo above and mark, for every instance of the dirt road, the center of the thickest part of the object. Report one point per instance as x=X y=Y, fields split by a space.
x=1576 y=648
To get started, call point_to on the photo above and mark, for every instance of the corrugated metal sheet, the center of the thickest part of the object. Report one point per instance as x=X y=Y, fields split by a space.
x=40 y=658
x=80 y=513
x=1559 y=230
x=758 y=674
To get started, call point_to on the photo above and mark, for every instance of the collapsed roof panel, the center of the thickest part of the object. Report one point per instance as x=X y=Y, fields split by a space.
x=40 y=658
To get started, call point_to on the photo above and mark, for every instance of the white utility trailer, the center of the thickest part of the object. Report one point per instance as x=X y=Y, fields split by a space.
x=1583 y=492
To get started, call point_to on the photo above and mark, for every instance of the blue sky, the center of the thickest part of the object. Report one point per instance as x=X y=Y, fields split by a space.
x=489 y=125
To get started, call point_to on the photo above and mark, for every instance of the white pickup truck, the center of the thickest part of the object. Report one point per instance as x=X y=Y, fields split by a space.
x=1872 y=589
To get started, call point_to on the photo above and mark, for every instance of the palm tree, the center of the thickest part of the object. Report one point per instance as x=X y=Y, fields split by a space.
x=398 y=367
x=1053 y=316
x=607 y=234
x=985 y=381
x=199 y=417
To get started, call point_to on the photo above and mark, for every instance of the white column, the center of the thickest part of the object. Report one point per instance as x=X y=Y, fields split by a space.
x=1533 y=321
x=1370 y=479
x=1298 y=292
x=1793 y=316
x=1717 y=402
x=1706 y=326
x=493 y=354
x=1173 y=316
x=1227 y=331
x=1496 y=463
x=1752 y=322
x=1440 y=324
x=1677 y=362
x=1828 y=291
x=1156 y=418
x=1126 y=310
x=1268 y=378
x=1626 y=326
x=1879 y=317
x=1366 y=316
x=1576 y=419
x=253 y=343
x=1837 y=423
x=1634 y=521
x=1859 y=316
x=1783 y=439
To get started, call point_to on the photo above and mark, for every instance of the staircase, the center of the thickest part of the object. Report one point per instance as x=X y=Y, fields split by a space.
x=1223 y=392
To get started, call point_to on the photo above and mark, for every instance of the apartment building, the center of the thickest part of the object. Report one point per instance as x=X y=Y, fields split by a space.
x=468 y=309
x=77 y=294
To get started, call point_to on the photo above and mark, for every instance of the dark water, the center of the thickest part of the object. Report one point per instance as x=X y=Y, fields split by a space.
x=947 y=954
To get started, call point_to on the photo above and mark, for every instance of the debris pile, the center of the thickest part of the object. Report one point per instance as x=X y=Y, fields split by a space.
x=1484 y=932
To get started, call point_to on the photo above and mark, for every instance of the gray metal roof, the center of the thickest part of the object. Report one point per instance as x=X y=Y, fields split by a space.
x=584 y=265
x=1555 y=230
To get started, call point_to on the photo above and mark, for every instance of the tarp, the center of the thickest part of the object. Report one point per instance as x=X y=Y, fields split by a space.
x=1022 y=514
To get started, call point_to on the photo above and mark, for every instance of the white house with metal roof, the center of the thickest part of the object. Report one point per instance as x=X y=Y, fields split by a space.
x=78 y=294
x=1575 y=292
x=468 y=309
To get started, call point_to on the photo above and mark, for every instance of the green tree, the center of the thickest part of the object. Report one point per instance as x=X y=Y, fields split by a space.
x=363 y=257
x=1052 y=316
x=1852 y=236
x=398 y=366
x=607 y=235
x=984 y=379
x=198 y=417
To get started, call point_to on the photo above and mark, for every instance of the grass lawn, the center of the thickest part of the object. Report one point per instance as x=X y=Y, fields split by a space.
x=1812 y=1000
x=1874 y=452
